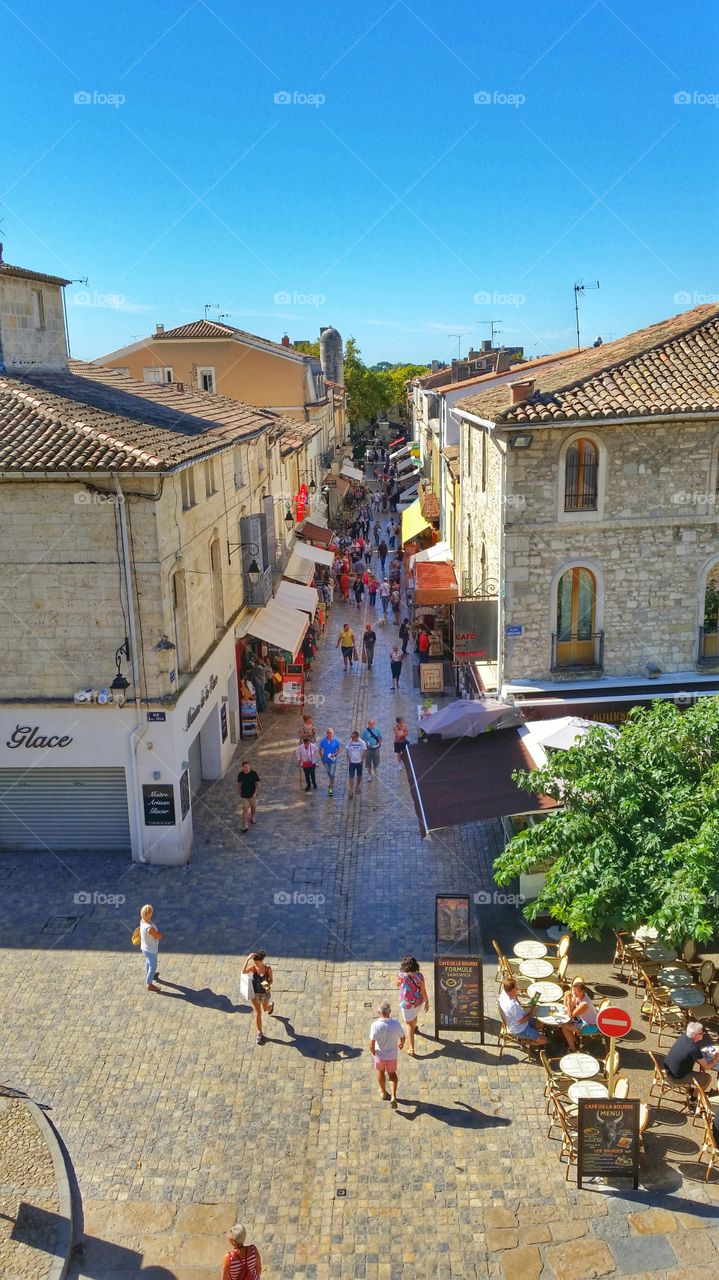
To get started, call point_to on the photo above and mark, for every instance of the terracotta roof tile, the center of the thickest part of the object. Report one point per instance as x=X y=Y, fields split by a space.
x=212 y=329
x=26 y=274
x=668 y=368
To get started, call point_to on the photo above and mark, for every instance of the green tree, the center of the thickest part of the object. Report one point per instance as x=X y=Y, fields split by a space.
x=307 y=348
x=367 y=392
x=637 y=837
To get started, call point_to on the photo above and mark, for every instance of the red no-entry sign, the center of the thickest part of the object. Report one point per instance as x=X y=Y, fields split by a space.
x=614 y=1022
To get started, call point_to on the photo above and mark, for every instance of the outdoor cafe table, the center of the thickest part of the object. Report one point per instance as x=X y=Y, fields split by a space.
x=587 y=1089
x=581 y=1066
x=548 y=992
x=645 y=934
x=551 y=1015
x=675 y=975
x=530 y=950
x=687 y=997
x=664 y=954
x=536 y=968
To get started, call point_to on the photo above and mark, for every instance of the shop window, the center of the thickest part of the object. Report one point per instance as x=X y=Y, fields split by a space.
x=581 y=473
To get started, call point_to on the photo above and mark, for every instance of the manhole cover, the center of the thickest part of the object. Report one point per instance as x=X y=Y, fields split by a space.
x=60 y=924
x=381 y=980
x=307 y=875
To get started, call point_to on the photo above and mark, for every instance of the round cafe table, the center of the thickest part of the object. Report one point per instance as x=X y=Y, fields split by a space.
x=664 y=955
x=530 y=950
x=645 y=934
x=581 y=1066
x=587 y=1089
x=548 y=992
x=687 y=997
x=675 y=975
x=536 y=968
x=551 y=1015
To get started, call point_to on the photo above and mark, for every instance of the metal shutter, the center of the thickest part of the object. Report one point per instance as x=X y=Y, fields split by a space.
x=194 y=755
x=63 y=809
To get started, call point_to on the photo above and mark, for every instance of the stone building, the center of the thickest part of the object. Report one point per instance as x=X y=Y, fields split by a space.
x=130 y=515
x=589 y=490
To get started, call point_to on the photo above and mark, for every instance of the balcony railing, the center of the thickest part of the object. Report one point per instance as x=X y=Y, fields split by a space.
x=578 y=652
x=709 y=644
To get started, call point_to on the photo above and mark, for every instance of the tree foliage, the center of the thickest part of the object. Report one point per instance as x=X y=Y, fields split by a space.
x=372 y=392
x=307 y=348
x=637 y=838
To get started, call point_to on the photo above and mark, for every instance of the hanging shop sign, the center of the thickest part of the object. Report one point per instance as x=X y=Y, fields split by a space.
x=185 y=794
x=301 y=502
x=475 y=630
x=193 y=712
x=158 y=802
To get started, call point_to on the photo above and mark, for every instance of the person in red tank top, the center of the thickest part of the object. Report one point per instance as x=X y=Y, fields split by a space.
x=243 y=1262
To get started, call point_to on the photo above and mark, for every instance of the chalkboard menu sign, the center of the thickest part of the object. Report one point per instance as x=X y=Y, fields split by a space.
x=451 y=922
x=608 y=1139
x=185 y=794
x=458 y=994
x=158 y=802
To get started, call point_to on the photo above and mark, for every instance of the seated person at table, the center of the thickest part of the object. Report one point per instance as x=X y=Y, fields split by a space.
x=580 y=1008
x=519 y=1022
x=686 y=1053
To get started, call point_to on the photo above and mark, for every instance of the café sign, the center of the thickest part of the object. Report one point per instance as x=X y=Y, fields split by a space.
x=193 y=712
x=26 y=735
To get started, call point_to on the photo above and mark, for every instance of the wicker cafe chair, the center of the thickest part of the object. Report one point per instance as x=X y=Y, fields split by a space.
x=556 y=1080
x=709 y=1149
x=645 y=1116
x=704 y=1113
x=561 y=974
x=689 y=951
x=625 y=953
x=621 y=1087
x=559 y=1102
x=569 y=1142
x=664 y=1016
x=507 y=1037
x=560 y=948
x=506 y=967
x=663 y=1086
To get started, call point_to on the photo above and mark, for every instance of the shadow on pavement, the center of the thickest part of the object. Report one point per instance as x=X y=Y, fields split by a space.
x=98 y=1259
x=313 y=1046
x=461 y=1116
x=205 y=997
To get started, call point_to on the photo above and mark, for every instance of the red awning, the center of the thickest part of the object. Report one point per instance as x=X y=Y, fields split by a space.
x=393 y=443
x=435 y=583
x=315 y=533
x=470 y=780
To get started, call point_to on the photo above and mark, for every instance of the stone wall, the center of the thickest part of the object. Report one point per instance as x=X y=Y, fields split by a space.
x=481 y=467
x=26 y=339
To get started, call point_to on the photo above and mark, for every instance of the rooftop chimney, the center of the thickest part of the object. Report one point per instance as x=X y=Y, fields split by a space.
x=486 y=344
x=521 y=391
x=285 y=340
x=159 y=328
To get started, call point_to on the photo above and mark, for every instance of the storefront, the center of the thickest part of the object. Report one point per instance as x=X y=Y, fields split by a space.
x=86 y=777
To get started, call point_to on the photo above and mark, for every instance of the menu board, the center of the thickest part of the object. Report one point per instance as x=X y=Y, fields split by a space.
x=608 y=1139
x=458 y=994
x=451 y=922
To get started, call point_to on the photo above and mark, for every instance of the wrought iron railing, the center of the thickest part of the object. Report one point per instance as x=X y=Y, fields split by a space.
x=575 y=651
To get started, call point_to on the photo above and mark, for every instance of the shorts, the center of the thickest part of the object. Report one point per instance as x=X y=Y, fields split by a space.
x=347 y=651
x=400 y=747
x=410 y=1013
x=355 y=770
x=372 y=758
x=385 y=1064
x=529 y=1033
x=396 y=670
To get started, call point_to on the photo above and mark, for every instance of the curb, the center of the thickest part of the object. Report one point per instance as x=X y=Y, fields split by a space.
x=61 y=1261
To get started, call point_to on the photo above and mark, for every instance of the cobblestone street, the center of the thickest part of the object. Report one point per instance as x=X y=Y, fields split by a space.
x=178 y=1124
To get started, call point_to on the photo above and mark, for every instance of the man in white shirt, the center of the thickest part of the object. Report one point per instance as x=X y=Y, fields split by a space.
x=355 y=749
x=386 y=1038
x=519 y=1022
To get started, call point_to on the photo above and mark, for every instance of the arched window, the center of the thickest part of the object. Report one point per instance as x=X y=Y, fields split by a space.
x=709 y=647
x=577 y=643
x=581 y=473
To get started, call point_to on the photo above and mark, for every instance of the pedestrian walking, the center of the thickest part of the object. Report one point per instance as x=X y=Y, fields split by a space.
x=345 y=585
x=413 y=997
x=385 y=592
x=396 y=658
x=423 y=645
x=261 y=979
x=404 y=634
x=392 y=531
x=372 y=738
x=382 y=552
x=356 y=750
x=308 y=758
x=409 y=592
x=394 y=599
x=386 y=1038
x=346 y=642
x=401 y=739
x=372 y=590
x=247 y=783
x=307 y=728
x=369 y=640
x=330 y=748
x=368 y=554
x=377 y=533
x=358 y=588
x=149 y=946
x=243 y=1261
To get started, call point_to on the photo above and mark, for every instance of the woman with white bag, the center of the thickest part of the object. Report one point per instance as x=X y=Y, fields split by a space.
x=256 y=986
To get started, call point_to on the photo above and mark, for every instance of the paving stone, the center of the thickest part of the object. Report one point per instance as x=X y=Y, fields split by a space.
x=502 y=1239
x=522 y=1264
x=567 y=1229
x=695 y=1248
x=534 y=1234
x=653 y=1222
x=581 y=1260
x=132 y=1219
x=644 y=1253
x=698 y=1221
x=206 y=1219
x=500 y=1218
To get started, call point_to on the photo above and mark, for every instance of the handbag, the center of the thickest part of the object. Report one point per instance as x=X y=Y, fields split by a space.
x=246 y=990
x=136 y=937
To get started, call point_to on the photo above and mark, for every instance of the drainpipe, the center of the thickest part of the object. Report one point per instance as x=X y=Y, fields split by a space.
x=140 y=729
x=502 y=575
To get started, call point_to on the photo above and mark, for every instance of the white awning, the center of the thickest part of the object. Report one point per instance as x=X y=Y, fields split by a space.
x=275 y=624
x=295 y=596
x=300 y=570
x=408 y=477
x=405 y=464
x=315 y=518
x=408 y=497
x=318 y=555
x=396 y=454
x=440 y=551
x=351 y=473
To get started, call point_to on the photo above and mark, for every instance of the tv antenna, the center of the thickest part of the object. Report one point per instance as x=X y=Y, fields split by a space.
x=459 y=337
x=215 y=306
x=83 y=280
x=493 y=324
x=581 y=287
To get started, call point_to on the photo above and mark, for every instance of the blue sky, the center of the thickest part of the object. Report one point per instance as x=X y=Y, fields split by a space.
x=382 y=198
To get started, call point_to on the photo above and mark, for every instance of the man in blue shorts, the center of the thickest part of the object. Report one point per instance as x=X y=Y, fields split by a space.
x=330 y=748
x=519 y=1022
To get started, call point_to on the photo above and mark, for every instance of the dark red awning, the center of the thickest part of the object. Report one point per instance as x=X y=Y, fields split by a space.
x=435 y=582
x=315 y=533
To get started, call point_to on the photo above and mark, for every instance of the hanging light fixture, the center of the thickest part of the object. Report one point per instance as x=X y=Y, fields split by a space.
x=121 y=683
x=312 y=486
x=254 y=572
x=289 y=518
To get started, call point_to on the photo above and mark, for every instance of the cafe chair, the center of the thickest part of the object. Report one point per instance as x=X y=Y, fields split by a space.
x=663 y=1087
x=709 y=1149
x=624 y=952
x=645 y=1117
x=689 y=951
x=604 y=1066
x=556 y=1080
x=621 y=1087
x=704 y=1113
x=559 y=1102
x=705 y=974
x=506 y=1037
x=506 y=967
x=561 y=973
x=560 y=948
x=568 y=1150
